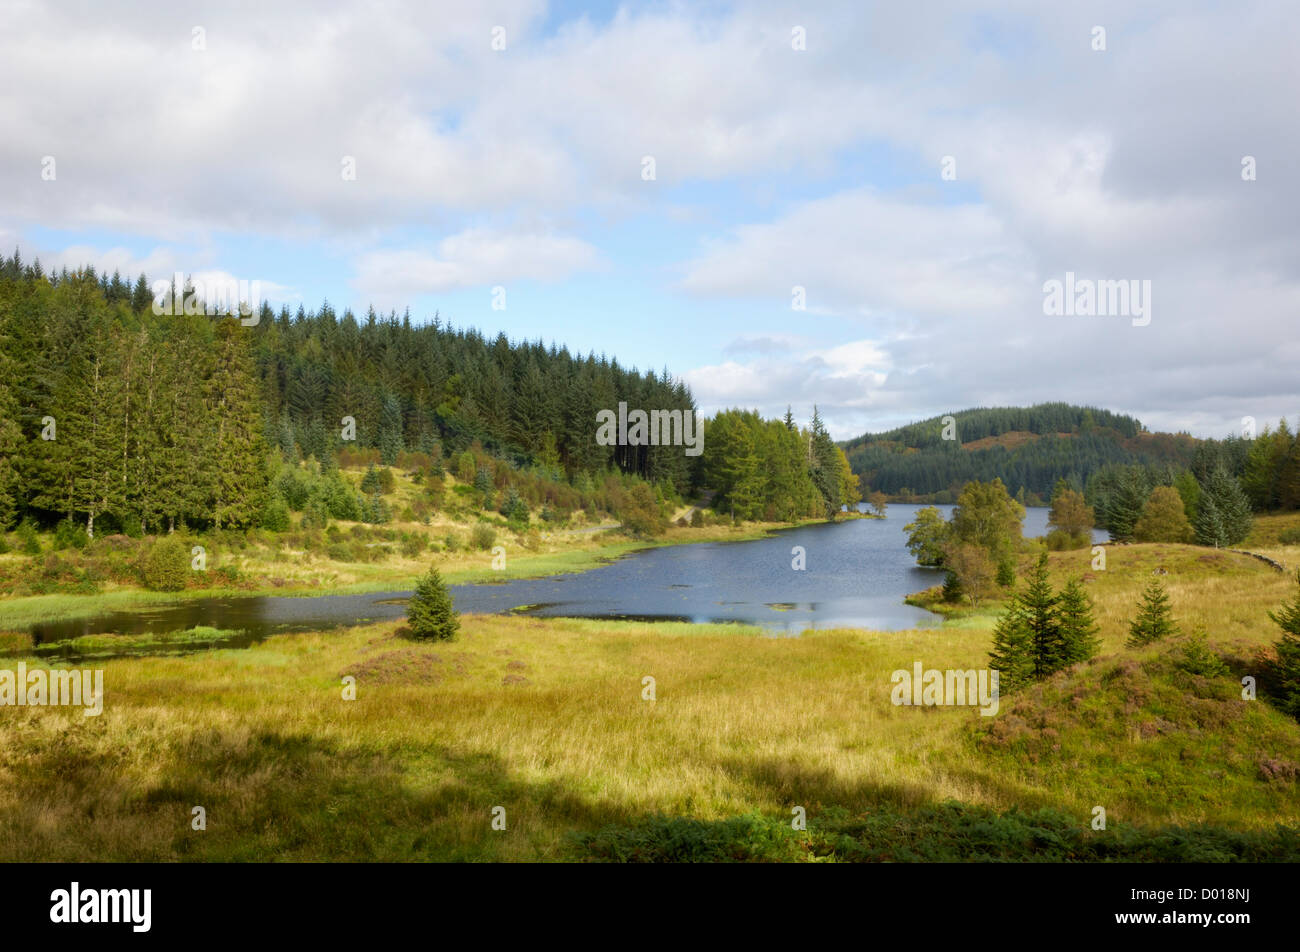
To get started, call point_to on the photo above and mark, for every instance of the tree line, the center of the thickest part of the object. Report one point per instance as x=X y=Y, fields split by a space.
x=112 y=413
x=1033 y=449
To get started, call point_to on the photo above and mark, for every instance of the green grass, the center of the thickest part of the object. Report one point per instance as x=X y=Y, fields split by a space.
x=948 y=832
x=94 y=646
x=549 y=718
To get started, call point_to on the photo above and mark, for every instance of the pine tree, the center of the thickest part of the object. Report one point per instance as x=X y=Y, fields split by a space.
x=823 y=464
x=1124 y=507
x=1038 y=607
x=1285 y=672
x=430 y=612
x=1012 y=655
x=1079 y=639
x=1154 y=619
x=10 y=440
x=390 y=429
x=1224 y=518
x=238 y=452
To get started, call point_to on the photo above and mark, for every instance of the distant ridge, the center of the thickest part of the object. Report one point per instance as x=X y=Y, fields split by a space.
x=1028 y=448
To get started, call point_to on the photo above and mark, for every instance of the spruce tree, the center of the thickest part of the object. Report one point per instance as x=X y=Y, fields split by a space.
x=1012 y=655
x=1224 y=518
x=1038 y=606
x=238 y=452
x=430 y=612
x=1079 y=640
x=1154 y=620
x=1124 y=507
x=10 y=440
x=1285 y=670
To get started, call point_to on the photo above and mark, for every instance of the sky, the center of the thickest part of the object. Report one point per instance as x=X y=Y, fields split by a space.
x=854 y=205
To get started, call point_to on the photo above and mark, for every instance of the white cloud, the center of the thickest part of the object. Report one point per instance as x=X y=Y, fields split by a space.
x=475 y=257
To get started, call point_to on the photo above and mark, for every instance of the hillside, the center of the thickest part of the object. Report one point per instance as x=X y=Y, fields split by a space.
x=1029 y=448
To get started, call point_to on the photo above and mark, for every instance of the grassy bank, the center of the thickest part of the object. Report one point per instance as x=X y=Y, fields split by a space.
x=268 y=570
x=553 y=720
x=548 y=719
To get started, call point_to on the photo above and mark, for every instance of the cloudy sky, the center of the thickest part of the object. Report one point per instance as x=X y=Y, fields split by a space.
x=218 y=139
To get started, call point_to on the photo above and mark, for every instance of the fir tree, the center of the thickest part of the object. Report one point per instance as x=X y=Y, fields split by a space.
x=238 y=450
x=430 y=613
x=1154 y=619
x=1037 y=604
x=1285 y=671
x=1079 y=640
x=10 y=440
x=1124 y=507
x=1012 y=655
x=1224 y=518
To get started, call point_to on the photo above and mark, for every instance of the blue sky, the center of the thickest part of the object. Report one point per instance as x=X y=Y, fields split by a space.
x=211 y=141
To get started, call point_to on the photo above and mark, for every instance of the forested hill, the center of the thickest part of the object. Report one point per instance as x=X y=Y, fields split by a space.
x=1028 y=448
x=108 y=408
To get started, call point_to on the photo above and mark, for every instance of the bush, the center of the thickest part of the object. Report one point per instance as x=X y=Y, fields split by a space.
x=413 y=544
x=1289 y=537
x=70 y=535
x=452 y=542
x=1006 y=574
x=379 y=481
x=1058 y=540
x=166 y=566
x=28 y=541
x=1196 y=657
x=376 y=511
x=483 y=537
x=430 y=614
x=513 y=507
x=952 y=592
x=275 y=515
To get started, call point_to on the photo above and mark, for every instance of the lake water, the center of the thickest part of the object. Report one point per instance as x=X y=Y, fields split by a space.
x=856 y=575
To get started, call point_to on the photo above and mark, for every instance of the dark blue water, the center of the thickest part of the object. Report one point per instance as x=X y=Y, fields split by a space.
x=855 y=574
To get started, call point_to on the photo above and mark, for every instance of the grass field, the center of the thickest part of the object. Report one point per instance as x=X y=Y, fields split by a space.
x=547 y=719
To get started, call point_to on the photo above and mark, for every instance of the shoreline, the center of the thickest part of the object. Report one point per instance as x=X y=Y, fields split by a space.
x=18 y=614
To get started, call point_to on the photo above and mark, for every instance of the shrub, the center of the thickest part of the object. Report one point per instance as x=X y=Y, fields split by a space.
x=483 y=483
x=413 y=544
x=275 y=515
x=376 y=510
x=483 y=537
x=1058 y=540
x=1196 y=657
x=70 y=535
x=1289 y=537
x=430 y=614
x=1006 y=574
x=379 y=481
x=166 y=566
x=952 y=592
x=1154 y=620
x=28 y=541
x=513 y=507
x=452 y=542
